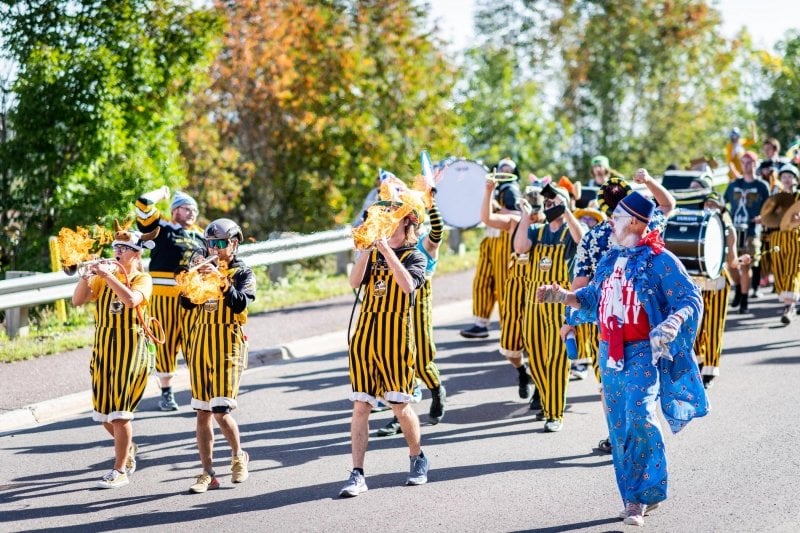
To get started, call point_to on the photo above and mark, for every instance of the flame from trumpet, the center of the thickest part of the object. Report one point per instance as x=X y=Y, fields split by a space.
x=199 y=287
x=78 y=246
x=382 y=222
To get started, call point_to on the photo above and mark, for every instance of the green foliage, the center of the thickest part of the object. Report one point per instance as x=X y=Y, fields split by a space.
x=99 y=96
x=779 y=113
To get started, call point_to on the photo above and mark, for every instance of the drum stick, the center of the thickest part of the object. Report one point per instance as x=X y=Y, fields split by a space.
x=501 y=177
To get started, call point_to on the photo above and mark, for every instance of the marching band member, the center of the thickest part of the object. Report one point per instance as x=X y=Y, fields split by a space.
x=217 y=348
x=178 y=242
x=551 y=247
x=425 y=368
x=648 y=311
x=514 y=293
x=735 y=150
x=715 y=293
x=785 y=247
x=120 y=361
x=490 y=273
x=381 y=353
x=745 y=196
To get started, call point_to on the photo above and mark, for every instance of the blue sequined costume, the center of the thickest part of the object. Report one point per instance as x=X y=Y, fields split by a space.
x=663 y=287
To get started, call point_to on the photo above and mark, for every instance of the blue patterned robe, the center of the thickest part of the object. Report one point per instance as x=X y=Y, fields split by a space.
x=630 y=395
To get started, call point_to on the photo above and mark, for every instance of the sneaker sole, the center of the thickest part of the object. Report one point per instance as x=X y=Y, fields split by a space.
x=201 y=491
x=471 y=336
x=647 y=510
x=416 y=482
x=351 y=493
x=103 y=485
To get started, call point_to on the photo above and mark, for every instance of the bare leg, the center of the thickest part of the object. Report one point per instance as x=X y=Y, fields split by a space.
x=122 y=431
x=230 y=429
x=409 y=422
x=205 y=439
x=359 y=432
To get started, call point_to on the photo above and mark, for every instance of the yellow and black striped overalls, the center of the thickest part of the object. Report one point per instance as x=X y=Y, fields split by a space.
x=382 y=352
x=708 y=343
x=425 y=347
x=785 y=252
x=120 y=362
x=490 y=273
x=515 y=294
x=546 y=353
x=217 y=353
x=174 y=248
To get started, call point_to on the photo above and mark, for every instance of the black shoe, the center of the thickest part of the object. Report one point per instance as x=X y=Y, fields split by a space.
x=743 y=308
x=536 y=401
x=737 y=297
x=797 y=310
x=786 y=317
x=525 y=383
x=436 y=412
x=604 y=446
x=708 y=382
x=755 y=293
x=392 y=428
x=475 y=332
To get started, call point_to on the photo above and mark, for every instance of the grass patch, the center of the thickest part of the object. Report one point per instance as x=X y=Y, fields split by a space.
x=309 y=281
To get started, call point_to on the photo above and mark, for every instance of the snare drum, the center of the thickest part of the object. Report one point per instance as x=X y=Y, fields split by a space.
x=697 y=238
x=459 y=193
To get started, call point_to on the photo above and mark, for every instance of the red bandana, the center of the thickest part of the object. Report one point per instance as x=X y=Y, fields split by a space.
x=654 y=241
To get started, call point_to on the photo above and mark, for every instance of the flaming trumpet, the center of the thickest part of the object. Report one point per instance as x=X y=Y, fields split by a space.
x=208 y=260
x=82 y=268
x=198 y=287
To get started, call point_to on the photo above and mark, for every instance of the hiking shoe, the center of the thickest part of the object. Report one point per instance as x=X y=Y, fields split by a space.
x=634 y=514
x=418 y=474
x=553 y=425
x=439 y=398
x=475 y=332
x=536 y=401
x=113 y=480
x=392 y=428
x=203 y=483
x=380 y=407
x=167 y=402
x=356 y=484
x=239 y=471
x=416 y=394
x=604 y=446
x=579 y=371
x=525 y=384
x=130 y=464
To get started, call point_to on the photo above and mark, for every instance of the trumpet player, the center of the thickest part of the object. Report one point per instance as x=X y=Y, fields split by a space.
x=178 y=242
x=217 y=350
x=786 y=247
x=120 y=357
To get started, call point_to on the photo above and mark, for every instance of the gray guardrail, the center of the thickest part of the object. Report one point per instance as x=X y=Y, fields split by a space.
x=38 y=289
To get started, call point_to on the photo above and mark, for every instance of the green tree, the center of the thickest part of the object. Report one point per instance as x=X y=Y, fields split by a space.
x=100 y=94
x=317 y=95
x=502 y=115
x=779 y=113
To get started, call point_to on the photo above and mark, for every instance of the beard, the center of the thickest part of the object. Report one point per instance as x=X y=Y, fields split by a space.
x=624 y=236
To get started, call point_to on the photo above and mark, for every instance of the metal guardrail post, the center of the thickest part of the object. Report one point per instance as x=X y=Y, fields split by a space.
x=55 y=265
x=342 y=260
x=455 y=243
x=17 y=318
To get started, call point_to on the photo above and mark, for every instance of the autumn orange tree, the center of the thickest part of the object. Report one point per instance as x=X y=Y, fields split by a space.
x=316 y=96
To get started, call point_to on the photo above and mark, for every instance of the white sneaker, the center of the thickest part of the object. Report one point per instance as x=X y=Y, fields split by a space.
x=113 y=480
x=356 y=484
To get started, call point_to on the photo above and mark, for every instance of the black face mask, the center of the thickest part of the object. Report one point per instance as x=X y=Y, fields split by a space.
x=554 y=212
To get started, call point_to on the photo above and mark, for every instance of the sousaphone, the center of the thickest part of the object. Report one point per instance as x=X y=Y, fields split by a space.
x=774 y=208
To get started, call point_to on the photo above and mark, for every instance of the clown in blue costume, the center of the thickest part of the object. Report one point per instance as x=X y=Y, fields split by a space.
x=648 y=311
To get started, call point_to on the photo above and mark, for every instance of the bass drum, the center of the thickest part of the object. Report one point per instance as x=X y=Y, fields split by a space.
x=697 y=238
x=459 y=193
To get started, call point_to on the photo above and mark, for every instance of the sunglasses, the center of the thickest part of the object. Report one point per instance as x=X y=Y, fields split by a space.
x=219 y=244
x=123 y=248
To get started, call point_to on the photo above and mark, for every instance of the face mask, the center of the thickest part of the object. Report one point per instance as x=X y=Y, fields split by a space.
x=554 y=212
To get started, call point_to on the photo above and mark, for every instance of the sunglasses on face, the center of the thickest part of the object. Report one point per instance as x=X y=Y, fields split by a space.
x=219 y=244
x=120 y=248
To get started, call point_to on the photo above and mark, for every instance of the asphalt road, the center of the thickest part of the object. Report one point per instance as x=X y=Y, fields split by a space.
x=492 y=467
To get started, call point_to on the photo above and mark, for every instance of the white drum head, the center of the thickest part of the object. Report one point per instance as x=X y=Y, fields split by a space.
x=714 y=246
x=460 y=193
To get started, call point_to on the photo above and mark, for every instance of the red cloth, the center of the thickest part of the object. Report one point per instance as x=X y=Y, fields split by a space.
x=654 y=241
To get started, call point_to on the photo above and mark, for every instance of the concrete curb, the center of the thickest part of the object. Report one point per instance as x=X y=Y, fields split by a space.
x=80 y=402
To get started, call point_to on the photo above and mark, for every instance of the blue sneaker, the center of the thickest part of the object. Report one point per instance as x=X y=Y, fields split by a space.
x=418 y=474
x=356 y=484
x=167 y=402
x=416 y=395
